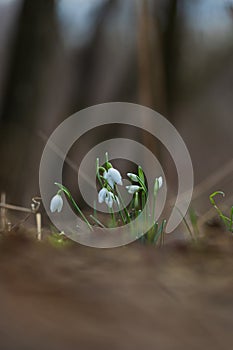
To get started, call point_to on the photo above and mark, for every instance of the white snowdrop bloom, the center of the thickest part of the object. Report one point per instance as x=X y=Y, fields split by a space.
x=56 y=203
x=113 y=176
x=133 y=188
x=109 y=179
x=103 y=193
x=109 y=199
x=133 y=177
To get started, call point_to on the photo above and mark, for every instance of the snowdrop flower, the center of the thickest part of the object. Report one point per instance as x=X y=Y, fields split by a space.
x=113 y=176
x=107 y=197
x=133 y=188
x=133 y=177
x=111 y=199
x=103 y=193
x=56 y=203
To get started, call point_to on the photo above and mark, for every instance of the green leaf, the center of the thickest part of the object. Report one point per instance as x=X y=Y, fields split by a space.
x=231 y=220
x=141 y=174
x=160 y=230
x=211 y=197
x=193 y=219
x=224 y=218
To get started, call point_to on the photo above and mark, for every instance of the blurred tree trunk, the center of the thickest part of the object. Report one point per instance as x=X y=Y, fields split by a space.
x=145 y=56
x=30 y=62
x=159 y=39
x=158 y=52
x=150 y=68
x=171 y=48
x=35 y=33
x=150 y=60
x=87 y=59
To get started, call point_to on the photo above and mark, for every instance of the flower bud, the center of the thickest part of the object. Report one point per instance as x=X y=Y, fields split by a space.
x=56 y=203
x=133 y=177
x=133 y=188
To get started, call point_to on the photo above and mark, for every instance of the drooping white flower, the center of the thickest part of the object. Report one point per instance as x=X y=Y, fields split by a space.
x=109 y=179
x=113 y=176
x=133 y=177
x=133 y=188
x=103 y=193
x=111 y=199
x=56 y=203
x=107 y=197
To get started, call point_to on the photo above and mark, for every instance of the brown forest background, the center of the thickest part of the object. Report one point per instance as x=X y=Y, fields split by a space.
x=174 y=56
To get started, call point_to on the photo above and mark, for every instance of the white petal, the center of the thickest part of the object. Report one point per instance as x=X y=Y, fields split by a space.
x=109 y=199
x=115 y=175
x=59 y=208
x=109 y=179
x=56 y=203
x=103 y=193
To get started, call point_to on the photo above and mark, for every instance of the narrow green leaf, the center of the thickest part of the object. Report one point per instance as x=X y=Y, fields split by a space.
x=141 y=174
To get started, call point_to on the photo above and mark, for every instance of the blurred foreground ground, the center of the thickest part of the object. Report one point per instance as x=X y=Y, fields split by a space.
x=135 y=297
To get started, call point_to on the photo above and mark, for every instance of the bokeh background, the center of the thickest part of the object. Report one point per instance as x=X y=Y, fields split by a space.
x=60 y=56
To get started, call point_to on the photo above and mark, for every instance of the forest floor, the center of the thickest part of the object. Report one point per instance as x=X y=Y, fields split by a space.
x=133 y=297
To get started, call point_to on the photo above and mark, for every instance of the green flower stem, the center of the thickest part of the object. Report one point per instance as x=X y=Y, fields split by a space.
x=193 y=219
x=142 y=185
x=143 y=200
x=97 y=164
x=141 y=174
x=136 y=204
x=120 y=212
x=113 y=217
x=156 y=189
x=231 y=218
x=144 y=208
x=225 y=219
x=98 y=168
x=122 y=203
x=153 y=207
x=106 y=157
x=160 y=231
x=97 y=221
x=122 y=216
x=186 y=224
x=141 y=180
x=94 y=209
x=67 y=192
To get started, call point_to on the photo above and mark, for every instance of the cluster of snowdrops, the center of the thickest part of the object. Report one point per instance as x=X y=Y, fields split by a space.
x=109 y=178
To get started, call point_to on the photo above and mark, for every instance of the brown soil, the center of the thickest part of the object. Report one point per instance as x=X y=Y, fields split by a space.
x=135 y=297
